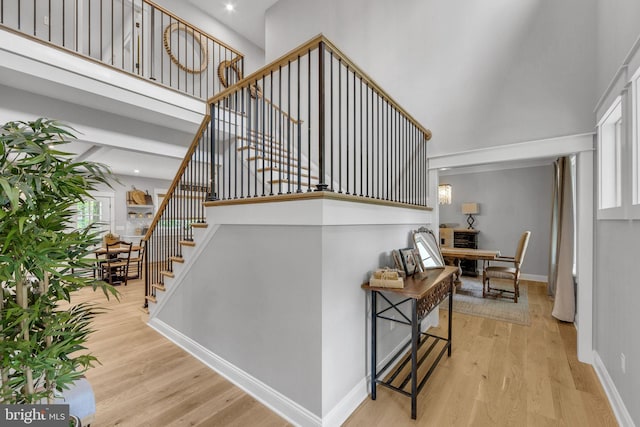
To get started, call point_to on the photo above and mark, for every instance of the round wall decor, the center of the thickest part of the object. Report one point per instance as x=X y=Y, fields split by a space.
x=222 y=72
x=187 y=34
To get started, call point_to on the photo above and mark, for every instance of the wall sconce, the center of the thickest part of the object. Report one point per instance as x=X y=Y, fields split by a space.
x=470 y=209
x=444 y=194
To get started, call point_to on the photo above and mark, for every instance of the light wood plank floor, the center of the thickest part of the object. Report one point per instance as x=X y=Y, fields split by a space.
x=500 y=374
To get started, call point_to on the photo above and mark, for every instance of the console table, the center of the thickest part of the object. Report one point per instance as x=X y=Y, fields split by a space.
x=423 y=292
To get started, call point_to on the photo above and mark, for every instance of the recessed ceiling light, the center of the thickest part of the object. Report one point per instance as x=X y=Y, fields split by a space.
x=230 y=7
x=136 y=171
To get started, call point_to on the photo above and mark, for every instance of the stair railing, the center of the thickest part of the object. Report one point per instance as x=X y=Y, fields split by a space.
x=311 y=121
x=348 y=135
x=135 y=36
x=179 y=212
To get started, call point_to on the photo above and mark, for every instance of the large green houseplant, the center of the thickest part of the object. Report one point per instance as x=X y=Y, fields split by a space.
x=41 y=252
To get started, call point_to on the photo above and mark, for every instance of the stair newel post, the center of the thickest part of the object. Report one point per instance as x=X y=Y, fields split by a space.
x=321 y=186
x=147 y=282
x=212 y=150
x=299 y=129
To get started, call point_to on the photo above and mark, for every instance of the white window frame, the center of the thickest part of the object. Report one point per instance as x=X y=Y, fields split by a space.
x=634 y=209
x=611 y=130
x=111 y=197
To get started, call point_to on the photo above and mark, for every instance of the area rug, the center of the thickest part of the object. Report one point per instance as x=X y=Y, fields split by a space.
x=468 y=300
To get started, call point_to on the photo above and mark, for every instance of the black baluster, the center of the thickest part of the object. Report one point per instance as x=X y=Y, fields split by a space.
x=339 y=125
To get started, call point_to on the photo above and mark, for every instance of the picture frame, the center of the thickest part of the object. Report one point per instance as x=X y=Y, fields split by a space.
x=397 y=261
x=409 y=261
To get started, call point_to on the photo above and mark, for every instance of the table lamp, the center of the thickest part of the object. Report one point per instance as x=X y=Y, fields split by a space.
x=470 y=209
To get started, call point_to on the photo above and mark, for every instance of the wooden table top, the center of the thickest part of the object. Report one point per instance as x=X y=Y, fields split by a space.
x=420 y=284
x=467 y=253
x=116 y=250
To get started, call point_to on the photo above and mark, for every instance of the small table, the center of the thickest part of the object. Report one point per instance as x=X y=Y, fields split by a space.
x=116 y=250
x=112 y=253
x=424 y=291
x=465 y=253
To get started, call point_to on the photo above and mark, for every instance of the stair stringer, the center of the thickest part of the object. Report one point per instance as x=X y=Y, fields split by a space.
x=190 y=255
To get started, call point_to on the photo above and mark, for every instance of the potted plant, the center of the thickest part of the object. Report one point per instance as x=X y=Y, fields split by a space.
x=42 y=334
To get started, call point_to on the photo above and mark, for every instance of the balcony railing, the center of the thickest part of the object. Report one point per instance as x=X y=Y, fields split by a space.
x=136 y=36
x=312 y=121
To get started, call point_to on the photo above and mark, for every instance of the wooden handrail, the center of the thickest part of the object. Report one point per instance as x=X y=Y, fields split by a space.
x=304 y=49
x=178 y=177
x=204 y=33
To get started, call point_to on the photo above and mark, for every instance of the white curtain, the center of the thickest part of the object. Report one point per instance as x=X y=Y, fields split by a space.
x=561 y=280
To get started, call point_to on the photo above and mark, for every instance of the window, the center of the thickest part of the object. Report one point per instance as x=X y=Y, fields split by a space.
x=610 y=143
x=96 y=211
x=635 y=145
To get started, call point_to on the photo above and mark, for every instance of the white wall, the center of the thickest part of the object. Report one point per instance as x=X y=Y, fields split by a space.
x=617 y=23
x=477 y=73
x=615 y=312
x=120 y=197
x=254 y=56
x=276 y=293
x=511 y=201
x=255 y=302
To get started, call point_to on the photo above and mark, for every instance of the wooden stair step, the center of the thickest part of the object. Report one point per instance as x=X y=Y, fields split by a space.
x=159 y=286
x=258 y=138
x=151 y=298
x=167 y=273
x=268 y=148
x=187 y=243
x=283 y=173
x=303 y=183
x=199 y=225
x=259 y=134
x=178 y=259
x=274 y=160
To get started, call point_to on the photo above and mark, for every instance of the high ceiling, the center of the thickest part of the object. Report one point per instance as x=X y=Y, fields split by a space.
x=247 y=18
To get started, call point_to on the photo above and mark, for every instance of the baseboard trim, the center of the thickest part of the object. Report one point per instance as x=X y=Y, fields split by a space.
x=343 y=410
x=274 y=400
x=535 y=278
x=618 y=406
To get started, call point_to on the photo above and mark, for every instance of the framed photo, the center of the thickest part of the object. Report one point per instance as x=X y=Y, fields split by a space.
x=397 y=260
x=409 y=261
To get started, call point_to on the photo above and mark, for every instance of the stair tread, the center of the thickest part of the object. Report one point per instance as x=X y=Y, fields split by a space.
x=159 y=286
x=151 y=298
x=167 y=273
x=187 y=242
x=303 y=183
x=177 y=259
x=304 y=172
x=275 y=159
x=199 y=225
x=258 y=138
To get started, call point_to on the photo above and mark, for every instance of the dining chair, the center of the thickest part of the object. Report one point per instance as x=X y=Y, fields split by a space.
x=135 y=261
x=115 y=267
x=509 y=272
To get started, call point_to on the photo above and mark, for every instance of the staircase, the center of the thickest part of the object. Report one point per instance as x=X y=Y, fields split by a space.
x=310 y=122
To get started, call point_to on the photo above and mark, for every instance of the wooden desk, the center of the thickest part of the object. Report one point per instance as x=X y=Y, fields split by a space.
x=457 y=254
x=424 y=291
x=466 y=253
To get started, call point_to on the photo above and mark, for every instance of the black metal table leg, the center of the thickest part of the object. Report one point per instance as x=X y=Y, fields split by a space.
x=374 y=332
x=414 y=357
x=450 y=316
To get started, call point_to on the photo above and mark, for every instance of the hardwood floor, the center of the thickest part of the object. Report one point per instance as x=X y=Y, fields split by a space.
x=499 y=374
x=502 y=374
x=145 y=380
